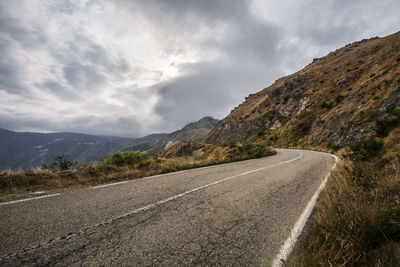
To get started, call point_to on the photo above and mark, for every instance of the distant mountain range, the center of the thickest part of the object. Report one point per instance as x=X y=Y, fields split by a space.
x=25 y=150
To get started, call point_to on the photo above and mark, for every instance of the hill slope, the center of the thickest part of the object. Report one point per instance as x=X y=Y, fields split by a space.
x=336 y=99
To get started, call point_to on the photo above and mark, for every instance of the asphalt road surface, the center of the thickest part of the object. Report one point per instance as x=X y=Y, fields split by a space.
x=235 y=214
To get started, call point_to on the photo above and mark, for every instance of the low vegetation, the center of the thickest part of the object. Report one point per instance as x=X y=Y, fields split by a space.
x=117 y=167
x=358 y=215
x=61 y=163
x=248 y=150
x=383 y=127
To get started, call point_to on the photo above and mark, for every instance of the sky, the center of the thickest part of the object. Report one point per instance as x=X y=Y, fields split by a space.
x=131 y=68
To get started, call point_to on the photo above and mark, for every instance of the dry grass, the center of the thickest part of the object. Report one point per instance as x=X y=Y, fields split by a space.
x=13 y=184
x=358 y=214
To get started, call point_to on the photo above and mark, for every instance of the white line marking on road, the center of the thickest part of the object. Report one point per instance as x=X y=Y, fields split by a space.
x=288 y=246
x=28 y=199
x=38 y=192
x=105 y=185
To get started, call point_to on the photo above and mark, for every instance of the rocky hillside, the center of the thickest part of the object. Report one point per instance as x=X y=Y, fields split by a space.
x=336 y=99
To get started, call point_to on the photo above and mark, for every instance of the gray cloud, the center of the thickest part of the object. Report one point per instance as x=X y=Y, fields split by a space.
x=88 y=124
x=192 y=11
x=10 y=76
x=206 y=87
x=83 y=77
x=26 y=35
x=247 y=53
x=134 y=67
x=12 y=35
x=59 y=90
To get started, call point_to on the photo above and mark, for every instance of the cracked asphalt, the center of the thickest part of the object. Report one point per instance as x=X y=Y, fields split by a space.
x=242 y=221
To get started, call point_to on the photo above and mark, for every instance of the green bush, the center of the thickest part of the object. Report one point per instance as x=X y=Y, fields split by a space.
x=326 y=105
x=116 y=159
x=383 y=127
x=252 y=150
x=339 y=98
x=91 y=171
x=126 y=158
x=334 y=147
x=61 y=162
x=367 y=148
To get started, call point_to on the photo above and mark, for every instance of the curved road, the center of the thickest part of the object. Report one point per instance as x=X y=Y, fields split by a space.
x=232 y=214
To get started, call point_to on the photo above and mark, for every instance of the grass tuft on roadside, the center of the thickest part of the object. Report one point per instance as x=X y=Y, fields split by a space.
x=358 y=213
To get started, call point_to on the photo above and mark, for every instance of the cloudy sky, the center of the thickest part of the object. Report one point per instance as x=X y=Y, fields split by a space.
x=131 y=68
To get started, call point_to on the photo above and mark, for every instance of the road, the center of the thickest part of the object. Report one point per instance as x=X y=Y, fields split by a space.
x=235 y=214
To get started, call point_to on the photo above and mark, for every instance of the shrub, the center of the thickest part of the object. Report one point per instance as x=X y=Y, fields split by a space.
x=387 y=82
x=232 y=144
x=339 y=98
x=260 y=133
x=383 y=127
x=144 y=165
x=251 y=150
x=326 y=105
x=116 y=159
x=133 y=157
x=333 y=146
x=91 y=171
x=367 y=148
x=126 y=158
x=170 y=165
x=62 y=163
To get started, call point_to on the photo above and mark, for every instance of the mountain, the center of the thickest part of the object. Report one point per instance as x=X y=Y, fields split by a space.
x=193 y=132
x=29 y=150
x=336 y=100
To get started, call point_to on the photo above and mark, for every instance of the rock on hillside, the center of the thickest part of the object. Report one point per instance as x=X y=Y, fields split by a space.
x=334 y=100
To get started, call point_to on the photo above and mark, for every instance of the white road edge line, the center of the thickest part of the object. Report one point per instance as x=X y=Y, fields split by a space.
x=28 y=199
x=288 y=246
